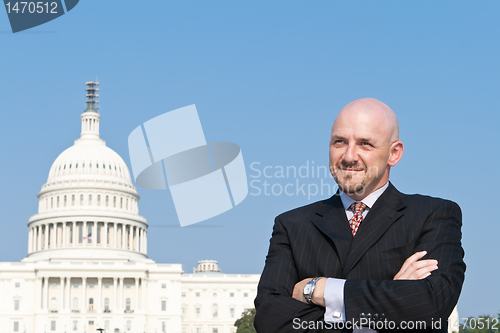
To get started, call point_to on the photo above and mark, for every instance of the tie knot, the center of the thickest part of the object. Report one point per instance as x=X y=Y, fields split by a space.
x=357 y=207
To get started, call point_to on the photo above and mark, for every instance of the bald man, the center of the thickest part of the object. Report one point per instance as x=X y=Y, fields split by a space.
x=369 y=257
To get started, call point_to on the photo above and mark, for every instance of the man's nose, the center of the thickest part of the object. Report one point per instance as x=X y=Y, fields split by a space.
x=351 y=156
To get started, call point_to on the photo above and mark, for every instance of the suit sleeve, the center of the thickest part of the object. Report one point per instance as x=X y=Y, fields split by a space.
x=277 y=311
x=420 y=300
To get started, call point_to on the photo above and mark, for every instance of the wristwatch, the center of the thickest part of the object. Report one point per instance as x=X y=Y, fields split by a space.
x=309 y=290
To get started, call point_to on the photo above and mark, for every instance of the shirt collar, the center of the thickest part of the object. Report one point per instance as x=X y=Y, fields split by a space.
x=369 y=200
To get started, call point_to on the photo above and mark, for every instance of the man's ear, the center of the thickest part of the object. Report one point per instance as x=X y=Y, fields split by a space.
x=396 y=153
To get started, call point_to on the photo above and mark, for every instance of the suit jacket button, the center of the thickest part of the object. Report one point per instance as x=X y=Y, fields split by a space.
x=382 y=316
x=362 y=315
x=375 y=316
x=368 y=316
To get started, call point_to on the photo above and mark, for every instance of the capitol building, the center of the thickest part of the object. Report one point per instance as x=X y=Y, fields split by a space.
x=87 y=268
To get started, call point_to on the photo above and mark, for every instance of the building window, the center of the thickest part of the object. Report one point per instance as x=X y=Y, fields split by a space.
x=16 y=305
x=198 y=329
x=91 y=304
x=163 y=286
x=106 y=326
x=54 y=285
x=163 y=305
x=81 y=199
x=91 y=285
x=215 y=311
x=106 y=305
x=107 y=201
x=163 y=327
x=129 y=325
x=16 y=326
x=127 y=304
x=53 y=304
x=75 y=325
x=114 y=202
x=127 y=286
x=90 y=199
x=17 y=285
x=99 y=200
x=231 y=312
x=53 y=325
x=183 y=294
x=75 y=285
x=57 y=201
x=245 y=294
x=231 y=294
x=75 y=304
x=214 y=295
x=215 y=330
x=64 y=201
x=197 y=294
x=73 y=200
x=106 y=285
x=198 y=312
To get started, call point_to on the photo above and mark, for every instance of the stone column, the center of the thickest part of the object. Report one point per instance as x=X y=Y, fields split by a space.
x=65 y=231
x=45 y=237
x=115 y=233
x=61 y=305
x=39 y=237
x=68 y=293
x=132 y=238
x=46 y=294
x=39 y=293
x=94 y=234
x=99 y=302
x=115 y=295
x=84 y=294
x=136 y=293
x=124 y=229
x=121 y=294
x=143 y=291
x=104 y=242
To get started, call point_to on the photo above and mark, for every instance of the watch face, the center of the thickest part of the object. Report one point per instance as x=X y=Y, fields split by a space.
x=307 y=289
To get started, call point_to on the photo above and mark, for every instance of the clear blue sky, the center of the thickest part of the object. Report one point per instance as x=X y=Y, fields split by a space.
x=269 y=76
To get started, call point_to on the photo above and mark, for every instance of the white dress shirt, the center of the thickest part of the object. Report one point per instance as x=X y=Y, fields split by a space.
x=334 y=288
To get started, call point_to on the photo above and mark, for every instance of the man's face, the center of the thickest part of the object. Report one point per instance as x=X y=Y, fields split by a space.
x=359 y=153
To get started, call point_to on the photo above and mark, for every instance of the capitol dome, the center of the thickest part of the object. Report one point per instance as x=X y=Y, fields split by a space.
x=88 y=202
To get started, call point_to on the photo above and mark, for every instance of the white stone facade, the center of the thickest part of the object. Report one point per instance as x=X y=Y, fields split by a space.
x=87 y=266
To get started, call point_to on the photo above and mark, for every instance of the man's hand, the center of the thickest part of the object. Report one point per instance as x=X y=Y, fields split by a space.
x=415 y=269
x=318 y=294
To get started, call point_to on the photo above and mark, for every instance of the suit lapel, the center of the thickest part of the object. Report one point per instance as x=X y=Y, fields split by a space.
x=386 y=210
x=331 y=220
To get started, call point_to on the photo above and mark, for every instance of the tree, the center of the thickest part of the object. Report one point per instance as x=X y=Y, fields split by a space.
x=245 y=323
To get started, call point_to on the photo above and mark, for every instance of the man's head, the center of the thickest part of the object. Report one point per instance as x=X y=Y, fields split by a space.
x=364 y=145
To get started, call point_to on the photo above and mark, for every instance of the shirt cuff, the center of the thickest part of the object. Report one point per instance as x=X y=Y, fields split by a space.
x=334 y=300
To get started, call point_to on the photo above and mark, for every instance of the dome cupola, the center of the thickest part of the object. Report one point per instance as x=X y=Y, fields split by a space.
x=88 y=208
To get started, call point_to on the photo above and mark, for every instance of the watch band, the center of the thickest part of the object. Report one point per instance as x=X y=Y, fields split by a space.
x=309 y=290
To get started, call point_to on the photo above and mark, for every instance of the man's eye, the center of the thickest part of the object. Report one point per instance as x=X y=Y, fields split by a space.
x=338 y=142
x=366 y=144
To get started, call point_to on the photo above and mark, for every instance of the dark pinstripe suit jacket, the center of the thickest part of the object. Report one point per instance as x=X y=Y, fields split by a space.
x=316 y=240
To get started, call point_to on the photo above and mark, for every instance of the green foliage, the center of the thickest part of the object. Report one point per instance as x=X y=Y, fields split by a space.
x=245 y=323
x=482 y=324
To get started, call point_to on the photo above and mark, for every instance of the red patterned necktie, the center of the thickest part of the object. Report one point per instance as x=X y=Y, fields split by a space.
x=357 y=208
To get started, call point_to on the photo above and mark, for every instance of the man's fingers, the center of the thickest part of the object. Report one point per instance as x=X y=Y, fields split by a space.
x=417 y=270
x=413 y=258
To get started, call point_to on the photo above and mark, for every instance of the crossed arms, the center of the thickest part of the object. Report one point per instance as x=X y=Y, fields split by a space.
x=419 y=297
